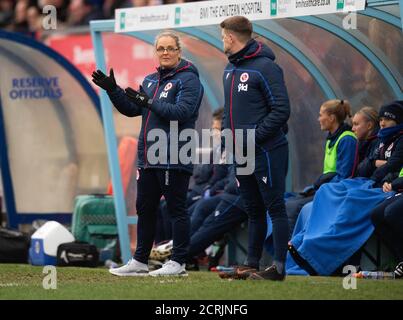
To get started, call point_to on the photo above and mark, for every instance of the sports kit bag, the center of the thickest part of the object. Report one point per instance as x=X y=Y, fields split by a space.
x=77 y=254
x=14 y=246
x=94 y=222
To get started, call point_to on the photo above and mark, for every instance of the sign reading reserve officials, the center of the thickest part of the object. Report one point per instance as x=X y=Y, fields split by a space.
x=213 y=12
x=35 y=88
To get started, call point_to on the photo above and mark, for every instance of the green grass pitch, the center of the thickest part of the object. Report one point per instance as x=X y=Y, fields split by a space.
x=26 y=282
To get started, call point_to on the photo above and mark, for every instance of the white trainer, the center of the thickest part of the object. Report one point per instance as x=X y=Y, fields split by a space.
x=133 y=268
x=171 y=268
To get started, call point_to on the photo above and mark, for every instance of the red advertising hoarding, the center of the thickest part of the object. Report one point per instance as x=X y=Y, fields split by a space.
x=130 y=58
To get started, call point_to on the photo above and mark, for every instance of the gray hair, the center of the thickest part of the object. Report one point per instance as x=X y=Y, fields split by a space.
x=170 y=34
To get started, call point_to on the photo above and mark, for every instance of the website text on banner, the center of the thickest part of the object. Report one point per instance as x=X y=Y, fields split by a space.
x=213 y=12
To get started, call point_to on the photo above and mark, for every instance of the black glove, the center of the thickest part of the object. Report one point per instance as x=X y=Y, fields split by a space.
x=139 y=98
x=103 y=81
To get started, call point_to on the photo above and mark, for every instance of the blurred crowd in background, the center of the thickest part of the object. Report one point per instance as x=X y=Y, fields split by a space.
x=26 y=15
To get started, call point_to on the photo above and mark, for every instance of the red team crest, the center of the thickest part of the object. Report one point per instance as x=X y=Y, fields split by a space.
x=244 y=77
x=168 y=86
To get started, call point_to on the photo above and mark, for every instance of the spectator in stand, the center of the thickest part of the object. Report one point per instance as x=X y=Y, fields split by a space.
x=6 y=13
x=136 y=3
x=61 y=8
x=20 y=23
x=34 y=19
x=81 y=12
x=110 y=6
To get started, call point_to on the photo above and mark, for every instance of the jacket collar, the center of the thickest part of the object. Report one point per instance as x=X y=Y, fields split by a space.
x=167 y=73
x=251 y=49
x=334 y=136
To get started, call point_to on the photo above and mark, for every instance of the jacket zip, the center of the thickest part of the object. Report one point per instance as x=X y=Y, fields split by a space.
x=230 y=105
x=145 y=128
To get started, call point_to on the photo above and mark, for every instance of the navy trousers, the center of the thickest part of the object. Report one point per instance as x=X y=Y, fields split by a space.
x=264 y=191
x=173 y=185
x=226 y=216
x=202 y=209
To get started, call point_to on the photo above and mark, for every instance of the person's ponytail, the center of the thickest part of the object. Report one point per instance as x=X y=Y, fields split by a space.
x=341 y=109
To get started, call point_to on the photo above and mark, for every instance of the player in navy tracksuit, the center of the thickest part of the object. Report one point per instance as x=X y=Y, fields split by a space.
x=224 y=217
x=256 y=98
x=173 y=93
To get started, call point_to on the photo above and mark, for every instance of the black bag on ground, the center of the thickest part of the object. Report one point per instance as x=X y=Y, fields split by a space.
x=14 y=246
x=77 y=254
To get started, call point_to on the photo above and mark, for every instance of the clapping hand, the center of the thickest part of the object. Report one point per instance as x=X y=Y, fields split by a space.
x=139 y=98
x=103 y=81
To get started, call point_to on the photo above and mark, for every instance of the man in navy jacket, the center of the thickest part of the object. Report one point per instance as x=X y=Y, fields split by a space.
x=256 y=98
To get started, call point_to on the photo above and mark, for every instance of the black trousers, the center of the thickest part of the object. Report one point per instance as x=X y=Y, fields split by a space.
x=173 y=185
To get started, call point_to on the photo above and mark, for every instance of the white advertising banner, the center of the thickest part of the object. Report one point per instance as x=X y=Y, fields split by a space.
x=213 y=12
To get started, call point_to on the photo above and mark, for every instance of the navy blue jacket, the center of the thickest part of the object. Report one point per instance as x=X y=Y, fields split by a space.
x=217 y=182
x=392 y=152
x=256 y=95
x=367 y=151
x=209 y=176
x=176 y=96
x=397 y=184
x=201 y=175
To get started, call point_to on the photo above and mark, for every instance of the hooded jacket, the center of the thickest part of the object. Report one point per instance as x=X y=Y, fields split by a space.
x=256 y=96
x=176 y=96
